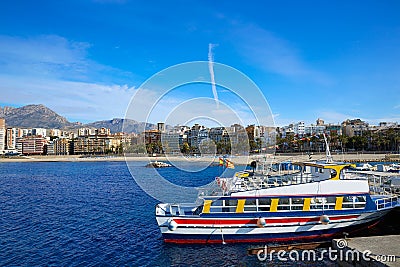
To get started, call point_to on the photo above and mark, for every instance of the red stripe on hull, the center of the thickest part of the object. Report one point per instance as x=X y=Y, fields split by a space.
x=254 y=221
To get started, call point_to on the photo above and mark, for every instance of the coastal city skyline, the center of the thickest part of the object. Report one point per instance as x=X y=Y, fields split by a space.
x=197 y=139
x=206 y=122
x=61 y=56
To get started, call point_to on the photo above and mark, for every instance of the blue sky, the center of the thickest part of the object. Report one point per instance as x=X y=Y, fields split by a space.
x=86 y=59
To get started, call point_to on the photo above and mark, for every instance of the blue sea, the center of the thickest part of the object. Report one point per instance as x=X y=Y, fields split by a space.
x=94 y=214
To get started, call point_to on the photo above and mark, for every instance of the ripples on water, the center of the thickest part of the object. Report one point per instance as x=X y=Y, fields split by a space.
x=93 y=213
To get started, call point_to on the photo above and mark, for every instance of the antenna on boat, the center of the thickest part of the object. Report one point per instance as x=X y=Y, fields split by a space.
x=328 y=152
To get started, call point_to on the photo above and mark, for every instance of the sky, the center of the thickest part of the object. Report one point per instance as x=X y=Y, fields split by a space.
x=87 y=60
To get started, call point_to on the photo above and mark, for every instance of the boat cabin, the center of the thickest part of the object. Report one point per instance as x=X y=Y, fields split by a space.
x=320 y=171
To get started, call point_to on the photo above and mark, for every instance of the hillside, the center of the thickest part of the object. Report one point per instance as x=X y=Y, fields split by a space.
x=115 y=125
x=34 y=116
x=40 y=116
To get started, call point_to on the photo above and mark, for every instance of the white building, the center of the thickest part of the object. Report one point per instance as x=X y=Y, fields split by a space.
x=286 y=130
x=315 y=129
x=86 y=131
x=11 y=137
x=171 y=142
x=39 y=131
x=299 y=128
x=54 y=132
x=2 y=135
x=26 y=132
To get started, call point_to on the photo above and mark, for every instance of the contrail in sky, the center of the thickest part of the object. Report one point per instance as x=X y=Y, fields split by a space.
x=211 y=69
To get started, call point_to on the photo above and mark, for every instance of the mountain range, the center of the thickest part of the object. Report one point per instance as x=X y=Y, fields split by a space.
x=40 y=116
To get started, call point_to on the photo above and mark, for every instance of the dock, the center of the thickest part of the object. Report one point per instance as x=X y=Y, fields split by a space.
x=369 y=251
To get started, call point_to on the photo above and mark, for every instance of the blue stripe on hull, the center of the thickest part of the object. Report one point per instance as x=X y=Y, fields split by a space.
x=316 y=235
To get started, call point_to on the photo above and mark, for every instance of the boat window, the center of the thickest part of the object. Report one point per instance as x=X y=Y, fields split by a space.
x=354 y=202
x=284 y=204
x=297 y=203
x=316 y=203
x=250 y=205
x=361 y=199
x=333 y=173
x=331 y=200
x=264 y=204
x=216 y=206
x=348 y=202
x=231 y=202
x=217 y=202
x=250 y=202
x=330 y=203
x=230 y=205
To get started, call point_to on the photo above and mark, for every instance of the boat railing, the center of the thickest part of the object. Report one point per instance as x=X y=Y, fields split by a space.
x=387 y=202
x=176 y=209
x=258 y=182
x=211 y=189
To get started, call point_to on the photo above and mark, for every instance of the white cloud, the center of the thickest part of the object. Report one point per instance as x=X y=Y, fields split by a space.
x=45 y=56
x=57 y=72
x=75 y=100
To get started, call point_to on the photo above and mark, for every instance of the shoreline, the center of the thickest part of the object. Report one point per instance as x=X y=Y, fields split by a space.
x=239 y=160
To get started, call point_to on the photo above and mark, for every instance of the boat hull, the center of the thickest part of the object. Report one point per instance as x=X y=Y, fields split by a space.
x=280 y=230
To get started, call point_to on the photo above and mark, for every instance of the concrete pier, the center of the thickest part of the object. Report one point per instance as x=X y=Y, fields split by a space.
x=368 y=251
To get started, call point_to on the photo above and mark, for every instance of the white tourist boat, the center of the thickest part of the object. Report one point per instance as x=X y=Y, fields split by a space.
x=158 y=164
x=320 y=202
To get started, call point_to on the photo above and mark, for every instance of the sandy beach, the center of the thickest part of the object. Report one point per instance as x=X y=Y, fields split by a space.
x=240 y=160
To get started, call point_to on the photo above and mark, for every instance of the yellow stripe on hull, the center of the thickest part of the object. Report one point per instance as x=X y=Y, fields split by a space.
x=240 y=205
x=339 y=203
x=274 y=204
x=207 y=205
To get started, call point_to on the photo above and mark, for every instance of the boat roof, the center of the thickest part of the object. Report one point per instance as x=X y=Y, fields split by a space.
x=376 y=173
x=324 y=164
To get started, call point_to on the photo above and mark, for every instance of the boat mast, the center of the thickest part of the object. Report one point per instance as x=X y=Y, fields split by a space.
x=328 y=152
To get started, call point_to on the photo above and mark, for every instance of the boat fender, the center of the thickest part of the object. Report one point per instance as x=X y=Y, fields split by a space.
x=172 y=225
x=261 y=222
x=324 y=219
